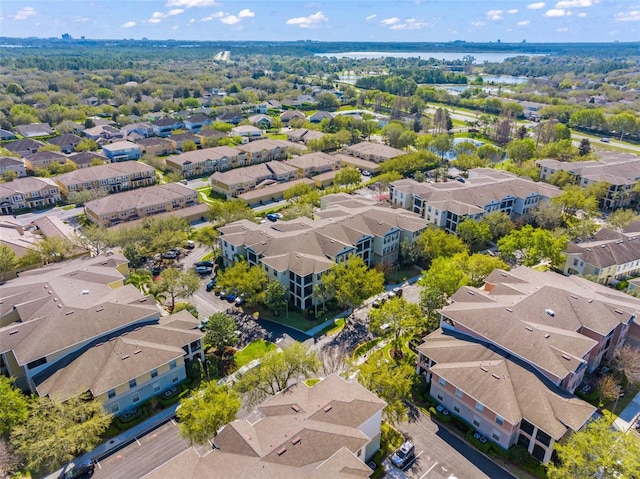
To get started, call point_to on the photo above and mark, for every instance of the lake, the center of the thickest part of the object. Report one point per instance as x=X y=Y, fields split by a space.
x=446 y=56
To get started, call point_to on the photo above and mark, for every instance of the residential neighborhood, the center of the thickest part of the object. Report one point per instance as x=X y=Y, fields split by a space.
x=299 y=264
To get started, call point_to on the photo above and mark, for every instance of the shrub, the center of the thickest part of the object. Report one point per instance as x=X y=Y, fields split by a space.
x=463 y=426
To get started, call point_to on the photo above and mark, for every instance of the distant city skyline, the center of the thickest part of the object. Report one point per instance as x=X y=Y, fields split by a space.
x=330 y=20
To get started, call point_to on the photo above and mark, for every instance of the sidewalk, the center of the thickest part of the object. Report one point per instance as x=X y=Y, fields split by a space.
x=122 y=439
x=629 y=415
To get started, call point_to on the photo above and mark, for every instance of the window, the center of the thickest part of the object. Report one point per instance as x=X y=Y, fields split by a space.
x=459 y=393
x=114 y=408
x=543 y=437
x=135 y=398
x=154 y=373
x=111 y=393
x=439 y=396
x=156 y=388
x=499 y=421
x=456 y=408
x=495 y=435
x=133 y=383
x=442 y=382
x=479 y=407
x=476 y=422
x=174 y=378
x=173 y=364
x=527 y=427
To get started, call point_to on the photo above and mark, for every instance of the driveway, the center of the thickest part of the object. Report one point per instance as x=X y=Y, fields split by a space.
x=441 y=454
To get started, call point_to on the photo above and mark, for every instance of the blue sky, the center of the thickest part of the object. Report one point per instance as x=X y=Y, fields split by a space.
x=331 y=20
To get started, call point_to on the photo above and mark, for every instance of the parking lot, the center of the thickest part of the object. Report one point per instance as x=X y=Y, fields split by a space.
x=441 y=454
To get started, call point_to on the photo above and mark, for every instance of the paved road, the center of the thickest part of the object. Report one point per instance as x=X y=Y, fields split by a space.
x=443 y=455
x=144 y=455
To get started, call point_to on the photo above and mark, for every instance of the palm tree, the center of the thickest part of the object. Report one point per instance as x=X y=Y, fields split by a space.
x=141 y=279
x=320 y=292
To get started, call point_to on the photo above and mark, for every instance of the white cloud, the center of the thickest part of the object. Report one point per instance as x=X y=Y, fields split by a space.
x=495 y=14
x=129 y=25
x=246 y=13
x=631 y=16
x=312 y=21
x=175 y=27
x=193 y=20
x=158 y=16
x=582 y=14
x=562 y=29
x=390 y=21
x=573 y=3
x=371 y=17
x=79 y=19
x=410 y=24
x=230 y=20
x=523 y=23
x=556 y=12
x=213 y=16
x=513 y=11
x=536 y=6
x=190 y=3
x=478 y=24
x=25 y=13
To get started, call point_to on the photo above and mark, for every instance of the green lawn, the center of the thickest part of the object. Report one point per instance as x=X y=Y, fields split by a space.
x=253 y=350
x=400 y=275
x=295 y=319
x=277 y=136
x=333 y=328
x=312 y=382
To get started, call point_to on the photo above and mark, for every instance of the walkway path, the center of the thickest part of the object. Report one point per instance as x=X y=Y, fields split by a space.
x=629 y=415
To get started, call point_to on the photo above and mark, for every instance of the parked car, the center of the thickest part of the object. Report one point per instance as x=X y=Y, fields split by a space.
x=604 y=140
x=366 y=173
x=203 y=270
x=239 y=300
x=211 y=284
x=395 y=292
x=404 y=456
x=480 y=437
x=85 y=468
x=274 y=216
x=156 y=271
x=231 y=297
x=205 y=263
x=442 y=410
x=378 y=302
x=170 y=254
x=190 y=244
x=223 y=294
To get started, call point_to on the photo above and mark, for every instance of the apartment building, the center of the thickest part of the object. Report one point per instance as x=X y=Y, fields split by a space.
x=17 y=165
x=111 y=178
x=75 y=327
x=240 y=180
x=132 y=205
x=328 y=430
x=449 y=203
x=28 y=192
x=206 y=161
x=371 y=151
x=298 y=252
x=313 y=164
x=122 y=151
x=620 y=170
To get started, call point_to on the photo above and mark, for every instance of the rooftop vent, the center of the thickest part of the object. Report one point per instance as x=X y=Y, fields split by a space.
x=495 y=375
x=509 y=309
x=137 y=351
x=296 y=440
x=484 y=369
x=281 y=451
x=295 y=408
x=68 y=313
x=567 y=357
x=328 y=408
x=547 y=335
x=574 y=296
x=60 y=305
x=618 y=311
x=14 y=332
x=85 y=291
x=124 y=357
x=528 y=328
x=550 y=312
x=99 y=309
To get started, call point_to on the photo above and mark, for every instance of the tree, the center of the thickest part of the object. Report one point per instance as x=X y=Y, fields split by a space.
x=562 y=178
x=249 y=281
x=548 y=215
x=585 y=147
x=296 y=192
x=599 y=450
x=608 y=389
x=15 y=406
x=473 y=232
x=188 y=145
x=53 y=249
x=220 y=333
x=141 y=279
x=54 y=432
x=431 y=301
x=8 y=260
x=86 y=144
x=499 y=224
x=347 y=176
x=177 y=284
x=445 y=275
x=441 y=144
x=575 y=198
x=9 y=175
x=627 y=360
x=275 y=296
x=327 y=101
x=391 y=133
x=223 y=212
x=351 y=281
x=207 y=236
x=531 y=246
x=276 y=371
x=479 y=266
x=396 y=318
x=435 y=242
x=391 y=382
x=95 y=239
x=203 y=414
x=521 y=150
x=621 y=218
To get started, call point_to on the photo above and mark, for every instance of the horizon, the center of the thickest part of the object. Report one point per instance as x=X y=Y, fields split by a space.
x=420 y=21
